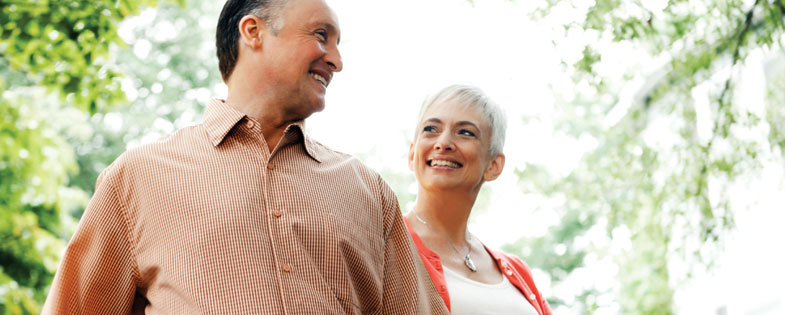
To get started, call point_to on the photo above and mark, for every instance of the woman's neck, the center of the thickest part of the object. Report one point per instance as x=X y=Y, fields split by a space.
x=446 y=212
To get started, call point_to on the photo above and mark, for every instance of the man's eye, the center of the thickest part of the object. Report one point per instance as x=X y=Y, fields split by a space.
x=465 y=132
x=429 y=129
x=322 y=35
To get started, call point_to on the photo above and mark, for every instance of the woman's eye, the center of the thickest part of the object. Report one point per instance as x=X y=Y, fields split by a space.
x=429 y=129
x=465 y=132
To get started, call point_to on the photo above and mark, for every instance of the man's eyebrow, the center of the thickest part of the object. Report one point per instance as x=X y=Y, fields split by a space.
x=331 y=29
x=433 y=119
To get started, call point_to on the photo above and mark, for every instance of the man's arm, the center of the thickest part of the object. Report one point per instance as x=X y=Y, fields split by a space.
x=97 y=274
x=407 y=287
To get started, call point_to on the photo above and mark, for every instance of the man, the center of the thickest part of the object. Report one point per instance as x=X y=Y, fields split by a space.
x=246 y=213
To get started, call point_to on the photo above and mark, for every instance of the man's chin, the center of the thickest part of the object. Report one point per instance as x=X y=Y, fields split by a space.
x=317 y=105
x=311 y=109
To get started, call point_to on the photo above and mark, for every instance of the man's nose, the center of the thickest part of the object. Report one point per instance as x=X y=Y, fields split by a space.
x=333 y=59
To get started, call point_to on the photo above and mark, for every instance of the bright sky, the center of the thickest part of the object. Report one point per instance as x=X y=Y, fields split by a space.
x=396 y=53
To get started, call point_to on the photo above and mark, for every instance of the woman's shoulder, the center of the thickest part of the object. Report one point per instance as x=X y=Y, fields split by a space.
x=515 y=261
x=516 y=264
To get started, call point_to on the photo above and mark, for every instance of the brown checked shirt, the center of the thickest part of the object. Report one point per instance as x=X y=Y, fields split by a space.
x=208 y=221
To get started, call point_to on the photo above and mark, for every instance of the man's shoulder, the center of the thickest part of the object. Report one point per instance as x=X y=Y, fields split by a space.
x=332 y=156
x=174 y=146
x=180 y=140
x=328 y=153
x=348 y=163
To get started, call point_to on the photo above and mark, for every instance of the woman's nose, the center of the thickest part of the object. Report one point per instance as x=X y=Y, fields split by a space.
x=444 y=143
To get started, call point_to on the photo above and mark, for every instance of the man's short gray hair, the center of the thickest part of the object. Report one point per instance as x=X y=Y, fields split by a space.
x=472 y=97
x=227 y=34
x=272 y=14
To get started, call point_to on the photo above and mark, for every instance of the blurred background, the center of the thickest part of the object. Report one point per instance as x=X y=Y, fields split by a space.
x=645 y=170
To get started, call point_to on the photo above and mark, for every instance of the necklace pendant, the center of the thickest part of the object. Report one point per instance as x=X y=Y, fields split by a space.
x=469 y=263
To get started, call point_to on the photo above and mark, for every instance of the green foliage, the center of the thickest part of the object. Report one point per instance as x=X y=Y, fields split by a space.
x=56 y=69
x=64 y=46
x=655 y=181
x=775 y=112
x=169 y=84
x=34 y=162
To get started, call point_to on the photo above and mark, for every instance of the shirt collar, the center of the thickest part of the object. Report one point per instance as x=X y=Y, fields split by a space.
x=419 y=243
x=220 y=119
x=296 y=131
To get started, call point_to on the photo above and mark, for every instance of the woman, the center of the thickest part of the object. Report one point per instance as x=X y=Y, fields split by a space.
x=458 y=147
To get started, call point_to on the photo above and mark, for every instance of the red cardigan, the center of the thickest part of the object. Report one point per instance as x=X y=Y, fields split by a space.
x=511 y=267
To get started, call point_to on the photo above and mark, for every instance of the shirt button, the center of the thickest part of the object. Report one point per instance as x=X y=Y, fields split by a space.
x=532 y=297
x=286 y=268
x=509 y=272
x=270 y=166
x=277 y=213
x=249 y=124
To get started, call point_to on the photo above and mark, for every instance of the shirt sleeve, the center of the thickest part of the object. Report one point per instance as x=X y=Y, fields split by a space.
x=97 y=274
x=408 y=288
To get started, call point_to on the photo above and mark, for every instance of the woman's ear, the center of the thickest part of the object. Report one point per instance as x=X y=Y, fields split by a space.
x=495 y=168
x=251 y=29
x=411 y=156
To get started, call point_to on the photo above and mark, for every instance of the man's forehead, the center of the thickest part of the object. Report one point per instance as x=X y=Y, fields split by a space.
x=313 y=13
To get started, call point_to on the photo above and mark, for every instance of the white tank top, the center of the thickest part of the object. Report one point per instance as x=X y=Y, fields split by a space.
x=471 y=297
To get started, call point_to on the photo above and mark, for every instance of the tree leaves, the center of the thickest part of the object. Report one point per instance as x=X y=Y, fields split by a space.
x=54 y=59
x=64 y=46
x=657 y=172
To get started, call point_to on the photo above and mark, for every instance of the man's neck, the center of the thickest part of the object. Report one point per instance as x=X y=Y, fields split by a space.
x=271 y=118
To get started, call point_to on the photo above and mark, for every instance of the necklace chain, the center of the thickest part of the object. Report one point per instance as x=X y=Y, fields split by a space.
x=467 y=260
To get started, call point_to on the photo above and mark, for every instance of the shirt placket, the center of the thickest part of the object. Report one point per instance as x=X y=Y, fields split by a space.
x=273 y=211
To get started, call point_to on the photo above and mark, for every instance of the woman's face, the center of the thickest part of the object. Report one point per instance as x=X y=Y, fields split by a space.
x=451 y=148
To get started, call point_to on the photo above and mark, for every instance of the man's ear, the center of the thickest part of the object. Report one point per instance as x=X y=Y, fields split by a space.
x=411 y=156
x=495 y=168
x=251 y=29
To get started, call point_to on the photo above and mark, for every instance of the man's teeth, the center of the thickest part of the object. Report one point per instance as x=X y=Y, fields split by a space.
x=319 y=78
x=444 y=163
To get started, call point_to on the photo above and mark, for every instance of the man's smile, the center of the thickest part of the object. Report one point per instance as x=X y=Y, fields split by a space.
x=321 y=76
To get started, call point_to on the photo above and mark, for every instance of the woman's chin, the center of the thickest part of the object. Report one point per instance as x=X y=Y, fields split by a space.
x=441 y=185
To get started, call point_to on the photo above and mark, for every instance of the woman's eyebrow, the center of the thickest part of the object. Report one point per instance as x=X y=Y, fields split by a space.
x=468 y=123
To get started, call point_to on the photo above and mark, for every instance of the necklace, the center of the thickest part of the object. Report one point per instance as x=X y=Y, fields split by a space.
x=467 y=260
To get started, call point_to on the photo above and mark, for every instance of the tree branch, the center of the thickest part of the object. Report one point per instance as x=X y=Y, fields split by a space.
x=780 y=5
x=745 y=27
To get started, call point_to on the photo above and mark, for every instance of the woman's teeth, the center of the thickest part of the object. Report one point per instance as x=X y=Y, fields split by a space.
x=445 y=163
